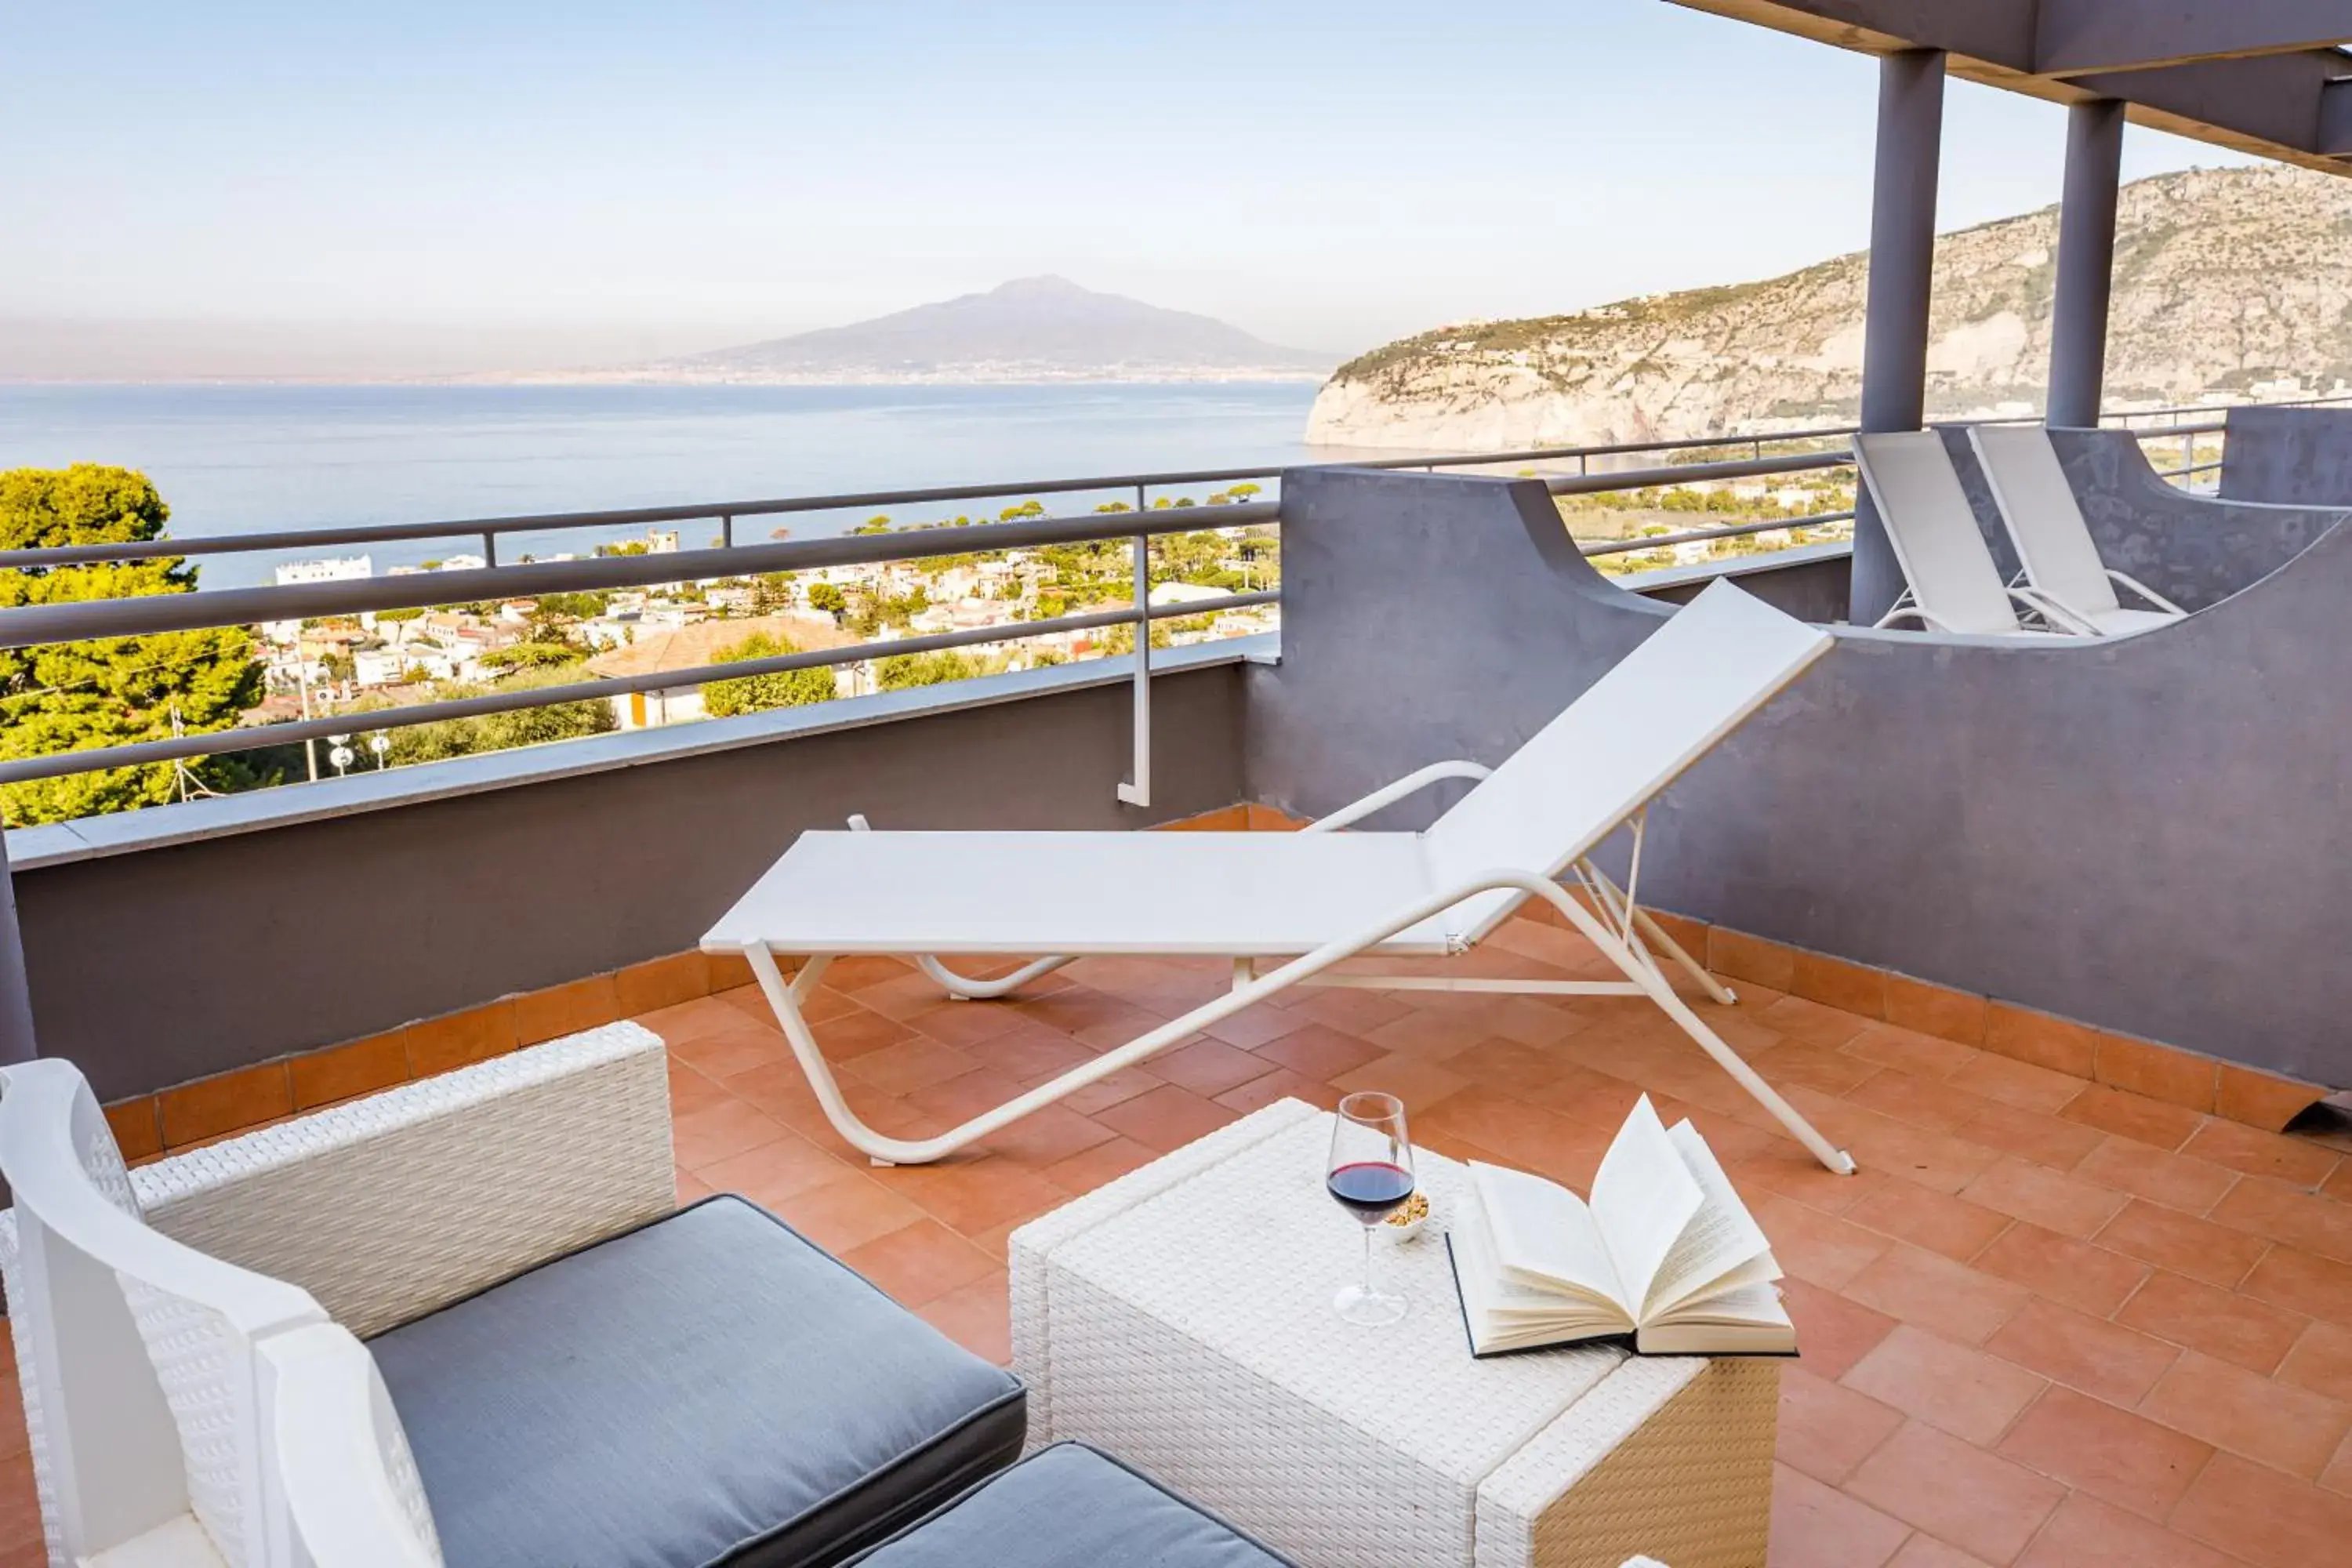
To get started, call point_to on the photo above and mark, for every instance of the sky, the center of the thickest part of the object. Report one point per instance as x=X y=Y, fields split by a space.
x=366 y=186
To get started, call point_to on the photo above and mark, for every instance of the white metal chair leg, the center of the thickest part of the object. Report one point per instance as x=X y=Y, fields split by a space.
x=1670 y=1002
x=785 y=996
x=1655 y=934
x=963 y=988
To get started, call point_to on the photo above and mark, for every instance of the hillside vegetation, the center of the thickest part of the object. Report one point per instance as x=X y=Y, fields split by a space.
x=2226 y=280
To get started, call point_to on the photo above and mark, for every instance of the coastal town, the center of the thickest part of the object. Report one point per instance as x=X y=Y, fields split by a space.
x=373 y=660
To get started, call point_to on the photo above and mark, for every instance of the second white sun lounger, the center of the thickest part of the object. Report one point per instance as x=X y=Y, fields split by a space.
x=2045 y=522
x=1954 y=584
x=1311 y=900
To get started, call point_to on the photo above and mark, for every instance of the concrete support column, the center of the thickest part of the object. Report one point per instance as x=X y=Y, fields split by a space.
x=1902 y=269
x=2086 y=262
x=16 y=997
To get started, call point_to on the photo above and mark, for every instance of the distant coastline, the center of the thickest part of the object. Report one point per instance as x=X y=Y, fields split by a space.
x=1108 y=376
x=1011 y=375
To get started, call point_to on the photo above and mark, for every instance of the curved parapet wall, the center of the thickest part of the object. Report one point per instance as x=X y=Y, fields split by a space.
x=2289 y=457
x=2194 y=550
x=2145 y=834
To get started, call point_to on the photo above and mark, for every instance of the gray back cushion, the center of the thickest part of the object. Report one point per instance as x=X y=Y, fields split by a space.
x=709 y=1388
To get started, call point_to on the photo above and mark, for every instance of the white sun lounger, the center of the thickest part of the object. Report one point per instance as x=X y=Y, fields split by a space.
x=1954 y=584
x=2045 y=522
x=1312 y=898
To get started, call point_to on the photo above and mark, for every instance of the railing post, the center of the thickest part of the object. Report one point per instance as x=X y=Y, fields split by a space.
x=1138 y=791
x=726 y=531
x=489 y=549
x=15 y=996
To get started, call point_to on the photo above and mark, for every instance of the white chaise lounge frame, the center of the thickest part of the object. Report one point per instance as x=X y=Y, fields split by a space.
x=2044 y=521
x=1537 y=818
x=1951 y=582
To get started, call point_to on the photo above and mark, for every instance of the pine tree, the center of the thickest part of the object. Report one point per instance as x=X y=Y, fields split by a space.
x=65 y=696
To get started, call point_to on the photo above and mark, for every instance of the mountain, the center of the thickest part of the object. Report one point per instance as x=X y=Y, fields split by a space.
x=1032 y=329
x=2225 y=281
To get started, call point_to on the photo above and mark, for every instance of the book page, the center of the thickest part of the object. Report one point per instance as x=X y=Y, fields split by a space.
x=1720 y=1238
x=1543 y=1234
x=1749 y=1321
x=1502 y=1315
x=1642 y=1198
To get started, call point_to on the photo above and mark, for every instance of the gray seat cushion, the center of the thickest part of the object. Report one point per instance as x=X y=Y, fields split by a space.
x=1071 y=1506
x=709 y=1388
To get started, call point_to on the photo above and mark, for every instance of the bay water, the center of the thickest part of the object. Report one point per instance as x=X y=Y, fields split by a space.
x=250 y=458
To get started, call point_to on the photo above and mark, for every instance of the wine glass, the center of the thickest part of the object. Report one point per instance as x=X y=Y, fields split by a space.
x=1371 y=1175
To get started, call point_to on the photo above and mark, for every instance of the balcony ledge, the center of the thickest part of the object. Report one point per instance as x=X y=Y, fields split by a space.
x=189 y=822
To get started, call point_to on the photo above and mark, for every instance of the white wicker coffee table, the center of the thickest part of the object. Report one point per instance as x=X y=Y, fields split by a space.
x=1181 y=1316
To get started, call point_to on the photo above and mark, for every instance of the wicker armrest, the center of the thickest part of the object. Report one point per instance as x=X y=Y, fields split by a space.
x=391 y=1205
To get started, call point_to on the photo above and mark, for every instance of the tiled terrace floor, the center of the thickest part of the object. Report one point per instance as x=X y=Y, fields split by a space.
x=2049 y=1323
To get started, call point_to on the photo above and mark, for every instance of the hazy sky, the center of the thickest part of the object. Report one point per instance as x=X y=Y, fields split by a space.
x=591 y=179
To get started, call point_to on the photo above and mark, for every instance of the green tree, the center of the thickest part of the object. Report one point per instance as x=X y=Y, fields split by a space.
x=492 y=732
x=829 y=598
x=66 y=697
x=770 y=592
x=934 y=669
x=573 y=606
x=754 y=693
x=530 y=656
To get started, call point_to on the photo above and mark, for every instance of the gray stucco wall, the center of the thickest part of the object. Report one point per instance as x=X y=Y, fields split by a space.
x=1809 y=582
x=2194 y=550
x=154 y=967
x=2141 y=833
x=2299 y=456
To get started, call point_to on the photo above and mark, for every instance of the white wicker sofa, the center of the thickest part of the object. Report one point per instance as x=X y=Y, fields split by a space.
x=581 y=1373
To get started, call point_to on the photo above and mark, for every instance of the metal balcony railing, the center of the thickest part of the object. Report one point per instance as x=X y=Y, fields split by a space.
x=37 y=624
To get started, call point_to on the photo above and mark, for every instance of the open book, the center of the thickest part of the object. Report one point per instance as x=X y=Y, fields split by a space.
x=1665 y=1253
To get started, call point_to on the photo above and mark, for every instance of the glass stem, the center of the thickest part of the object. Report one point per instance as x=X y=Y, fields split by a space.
x=1368 y=1261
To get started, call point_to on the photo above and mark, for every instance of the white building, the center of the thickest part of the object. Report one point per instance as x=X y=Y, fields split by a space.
x=1183 y=592
x=341 y=569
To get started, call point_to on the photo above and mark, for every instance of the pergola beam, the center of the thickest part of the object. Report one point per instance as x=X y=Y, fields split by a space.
x=2251 y=75
x=2272 y=97
x=2076 y=36
x=2335 y=121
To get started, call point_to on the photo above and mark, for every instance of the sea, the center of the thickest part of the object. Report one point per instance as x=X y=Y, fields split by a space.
x=246 y=458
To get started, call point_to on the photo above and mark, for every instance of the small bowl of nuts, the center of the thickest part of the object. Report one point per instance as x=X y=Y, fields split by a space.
x=1408 y=1218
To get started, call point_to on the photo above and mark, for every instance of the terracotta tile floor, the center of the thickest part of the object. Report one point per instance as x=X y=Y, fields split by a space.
x=2046 y=1324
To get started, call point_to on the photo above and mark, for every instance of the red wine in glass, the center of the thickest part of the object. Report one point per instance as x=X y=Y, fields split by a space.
x=1371 y=1190
x=1369 y=1174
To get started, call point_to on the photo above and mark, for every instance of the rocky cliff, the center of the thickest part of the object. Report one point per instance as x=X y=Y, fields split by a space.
x=2226 y=281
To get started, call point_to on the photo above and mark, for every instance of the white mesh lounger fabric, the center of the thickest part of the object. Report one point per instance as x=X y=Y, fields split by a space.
x=1312 y=898
x=1954 y=584
x=2045 y=522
